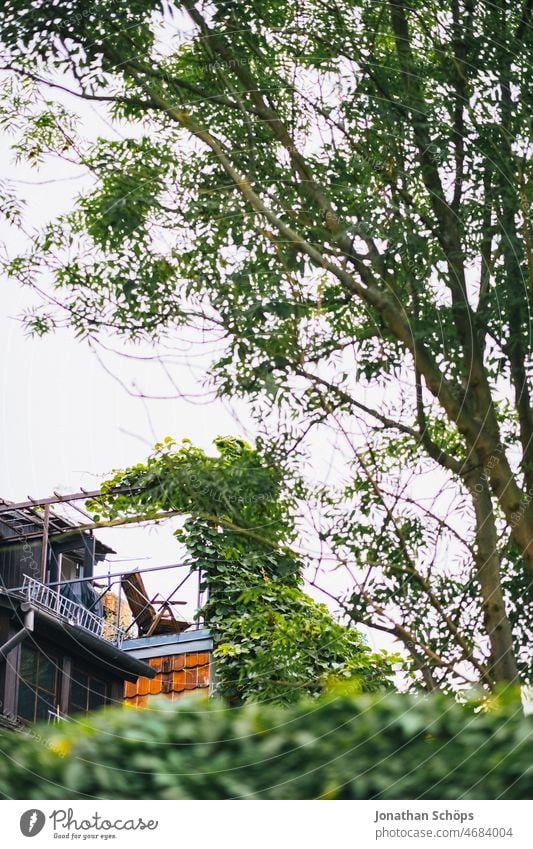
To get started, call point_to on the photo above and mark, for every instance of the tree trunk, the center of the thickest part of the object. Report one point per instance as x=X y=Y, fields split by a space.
x=487 y=565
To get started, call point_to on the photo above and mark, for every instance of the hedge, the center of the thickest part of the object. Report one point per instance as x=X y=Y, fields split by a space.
x=379 y=746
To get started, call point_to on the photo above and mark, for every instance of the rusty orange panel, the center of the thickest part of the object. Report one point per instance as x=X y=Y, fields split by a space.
x=143 y=686
x=178 y=681
x=182 y=694
x=191 y=679
x=203 y=676
x=177 y=662
x=191 y=659
x=155 y=685
x=203 y=658
x=130 y=689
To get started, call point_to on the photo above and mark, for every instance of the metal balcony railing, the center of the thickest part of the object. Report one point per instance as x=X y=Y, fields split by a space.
x=50 y=599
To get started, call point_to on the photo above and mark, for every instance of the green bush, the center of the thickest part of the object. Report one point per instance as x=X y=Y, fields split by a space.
x=372 y=746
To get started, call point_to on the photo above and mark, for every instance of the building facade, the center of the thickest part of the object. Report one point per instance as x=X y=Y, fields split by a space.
x=59 y=654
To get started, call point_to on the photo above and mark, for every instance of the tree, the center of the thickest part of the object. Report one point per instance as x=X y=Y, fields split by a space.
x=340 y=190
x=272 y=642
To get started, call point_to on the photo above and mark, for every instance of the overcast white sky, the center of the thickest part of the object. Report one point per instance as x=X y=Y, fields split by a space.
x=66 y=422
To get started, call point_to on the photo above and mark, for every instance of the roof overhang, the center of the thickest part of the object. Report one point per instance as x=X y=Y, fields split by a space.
x=80 y=643
x=163 y=645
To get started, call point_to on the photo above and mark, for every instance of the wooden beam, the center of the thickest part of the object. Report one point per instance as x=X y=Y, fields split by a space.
x=44 y=549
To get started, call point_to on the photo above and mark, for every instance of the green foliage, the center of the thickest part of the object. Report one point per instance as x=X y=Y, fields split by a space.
x=235 y=488
x=107 y=26
x=132 y=177
x=344 y=747
x=272 y=641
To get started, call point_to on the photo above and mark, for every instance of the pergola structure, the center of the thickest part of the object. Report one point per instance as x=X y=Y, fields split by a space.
x=33 y=519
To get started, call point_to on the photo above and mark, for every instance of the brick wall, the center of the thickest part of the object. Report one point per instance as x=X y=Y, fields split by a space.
x=110 y=603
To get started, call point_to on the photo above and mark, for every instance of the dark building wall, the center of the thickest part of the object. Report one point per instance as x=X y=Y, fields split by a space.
x=56 y=678
x=19 y=559
x=24 y=558
x=4 y=637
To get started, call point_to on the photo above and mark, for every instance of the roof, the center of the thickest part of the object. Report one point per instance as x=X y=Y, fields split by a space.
x=159 y=645
x=23 y=523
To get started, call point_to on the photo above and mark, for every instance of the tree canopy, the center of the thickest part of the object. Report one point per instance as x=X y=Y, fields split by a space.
x=337 y=195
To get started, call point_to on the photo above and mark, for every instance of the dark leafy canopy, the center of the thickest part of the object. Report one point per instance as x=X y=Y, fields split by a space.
x=351 y=218
x=367 y=747
x=272 y=641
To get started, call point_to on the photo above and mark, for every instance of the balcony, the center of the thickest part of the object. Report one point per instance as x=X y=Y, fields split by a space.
x=51 y=600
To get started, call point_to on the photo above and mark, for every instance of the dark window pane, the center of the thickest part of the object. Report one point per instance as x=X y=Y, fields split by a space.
x=97 y=694
x=47 y=673
x=28 y=664
x=80 y=677
x=78 y=690
x=37 y=684
x=45 y=705
x=26 y=702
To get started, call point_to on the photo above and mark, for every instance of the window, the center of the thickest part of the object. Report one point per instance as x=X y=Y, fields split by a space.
x=38 y=685
x=69 y=568
x=86 y=692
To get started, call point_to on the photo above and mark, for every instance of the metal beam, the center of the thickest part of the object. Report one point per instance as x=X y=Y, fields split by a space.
x=29 y=618
x=107 y=575
x=56 y=498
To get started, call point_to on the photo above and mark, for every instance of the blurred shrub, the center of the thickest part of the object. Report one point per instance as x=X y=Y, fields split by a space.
x=381 y=746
